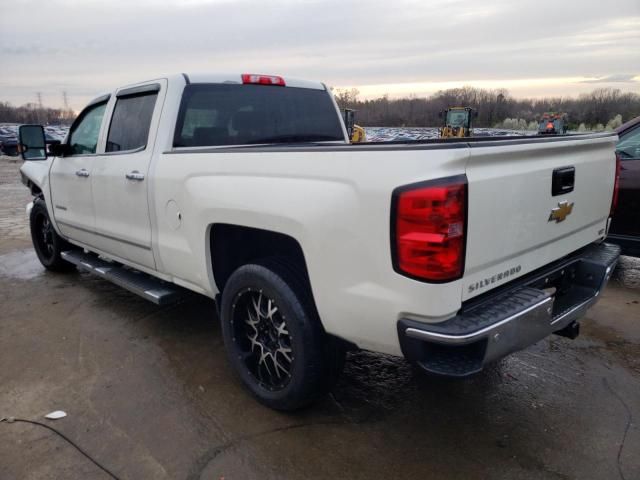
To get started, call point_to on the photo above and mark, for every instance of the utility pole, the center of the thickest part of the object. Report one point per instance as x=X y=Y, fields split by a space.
x=66 y=114
x=39 y=112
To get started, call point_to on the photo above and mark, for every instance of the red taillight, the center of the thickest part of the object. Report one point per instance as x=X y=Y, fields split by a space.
x=429 y=229
x=257 y=79
x=616 y=186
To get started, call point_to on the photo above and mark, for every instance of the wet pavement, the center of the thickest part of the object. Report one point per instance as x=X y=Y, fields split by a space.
x=149 y=395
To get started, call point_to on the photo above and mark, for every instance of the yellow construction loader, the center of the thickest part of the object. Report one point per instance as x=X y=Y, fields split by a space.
x=356 y=132
x=457 y=122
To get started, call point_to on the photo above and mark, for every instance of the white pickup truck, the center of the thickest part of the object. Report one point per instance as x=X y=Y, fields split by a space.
x=245 y=188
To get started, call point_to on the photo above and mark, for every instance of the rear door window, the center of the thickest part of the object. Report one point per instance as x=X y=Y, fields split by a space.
x=221 y=114
x=130 y=123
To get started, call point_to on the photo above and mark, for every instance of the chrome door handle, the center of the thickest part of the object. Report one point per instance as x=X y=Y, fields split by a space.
x=135 y=175
x=82 y=173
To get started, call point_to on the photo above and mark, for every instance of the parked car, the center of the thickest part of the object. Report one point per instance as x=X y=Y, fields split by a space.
x=9 y=145
x=625 y=225
x=246 y=189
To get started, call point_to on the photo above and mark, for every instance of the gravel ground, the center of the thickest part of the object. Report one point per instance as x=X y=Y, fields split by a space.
x=14 y=197
x=149 y=395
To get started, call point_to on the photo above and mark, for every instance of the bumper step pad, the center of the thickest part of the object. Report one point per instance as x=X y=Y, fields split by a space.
x=488 y=313
x=511 y=318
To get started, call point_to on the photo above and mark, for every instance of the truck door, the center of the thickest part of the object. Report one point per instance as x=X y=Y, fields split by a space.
x=70 y=176
x=120 y=184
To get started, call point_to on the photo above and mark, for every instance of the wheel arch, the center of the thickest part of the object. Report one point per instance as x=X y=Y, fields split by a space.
x=231 y=246
x=35 y=175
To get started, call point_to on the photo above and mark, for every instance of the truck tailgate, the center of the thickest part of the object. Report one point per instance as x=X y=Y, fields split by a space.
x=515 y=222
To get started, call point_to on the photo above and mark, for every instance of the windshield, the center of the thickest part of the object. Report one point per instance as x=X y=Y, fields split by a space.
x=221 y=114
x=457 y=118
x=629 y=145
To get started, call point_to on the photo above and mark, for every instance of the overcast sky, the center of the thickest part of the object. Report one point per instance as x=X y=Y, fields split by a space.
x=399 y=47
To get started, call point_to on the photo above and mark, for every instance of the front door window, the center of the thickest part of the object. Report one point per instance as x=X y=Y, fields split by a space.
x=83 y=138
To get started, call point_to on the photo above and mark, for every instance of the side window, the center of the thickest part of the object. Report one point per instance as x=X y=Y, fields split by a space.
x=130 y=122
x=83 y=138
x=629 y=145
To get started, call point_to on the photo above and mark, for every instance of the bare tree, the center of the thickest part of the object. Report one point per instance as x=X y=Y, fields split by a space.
x=33 y=113
x=493 y=106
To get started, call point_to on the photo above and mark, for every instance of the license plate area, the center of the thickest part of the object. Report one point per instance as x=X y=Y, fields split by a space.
x=571 y=285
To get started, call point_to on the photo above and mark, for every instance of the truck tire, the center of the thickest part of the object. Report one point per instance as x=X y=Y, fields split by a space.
x=46 y=242
x=273 y=336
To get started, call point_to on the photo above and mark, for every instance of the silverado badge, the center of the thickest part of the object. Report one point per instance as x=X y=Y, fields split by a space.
x=562 y=211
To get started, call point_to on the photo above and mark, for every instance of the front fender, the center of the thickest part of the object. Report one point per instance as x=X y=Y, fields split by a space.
x=35 y=173
x=35 y=176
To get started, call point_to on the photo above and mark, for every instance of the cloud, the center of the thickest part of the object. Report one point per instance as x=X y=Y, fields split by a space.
x=619 y=78
x=98 y=45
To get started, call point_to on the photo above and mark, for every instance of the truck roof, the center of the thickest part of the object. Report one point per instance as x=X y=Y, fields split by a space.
x=219 y=77
x=212 y=77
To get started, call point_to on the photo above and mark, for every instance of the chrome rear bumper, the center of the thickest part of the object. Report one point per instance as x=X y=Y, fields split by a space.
x=513 y=317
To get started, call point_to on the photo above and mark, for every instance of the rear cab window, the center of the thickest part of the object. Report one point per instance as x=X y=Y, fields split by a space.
x=240 y=114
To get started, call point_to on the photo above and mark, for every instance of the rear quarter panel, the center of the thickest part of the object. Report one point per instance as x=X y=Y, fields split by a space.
x=336 y=204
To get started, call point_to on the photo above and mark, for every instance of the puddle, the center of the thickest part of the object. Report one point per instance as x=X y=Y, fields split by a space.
x=21 y=265
x=628 y=272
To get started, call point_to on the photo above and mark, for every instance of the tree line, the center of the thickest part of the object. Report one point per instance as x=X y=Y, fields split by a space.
x=589 y=111
x=34 y=113
x=602 y=108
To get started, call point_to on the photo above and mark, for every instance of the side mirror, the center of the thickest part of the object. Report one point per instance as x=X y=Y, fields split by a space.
x=57 y=149
x=32 y=144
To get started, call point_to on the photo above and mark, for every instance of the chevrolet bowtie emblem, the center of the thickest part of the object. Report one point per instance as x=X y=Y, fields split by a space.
x=562 y=211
